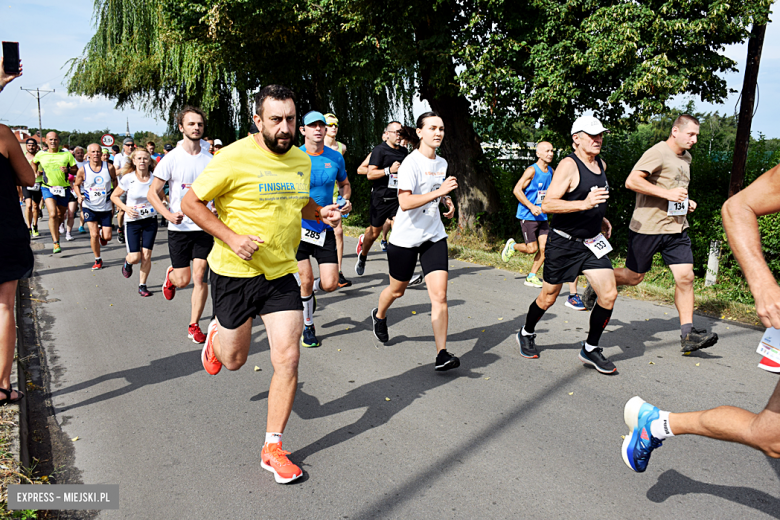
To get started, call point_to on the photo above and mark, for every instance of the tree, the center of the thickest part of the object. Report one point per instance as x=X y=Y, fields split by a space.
x=484 y=65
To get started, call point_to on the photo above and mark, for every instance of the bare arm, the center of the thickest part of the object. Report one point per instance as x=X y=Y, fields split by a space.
x=77 y=185
x=9 y=146
x=521 y=185
x=345 y=190
x=637 y=181
x=565 y=179
x=154 y=199
x=740 y=220
x=408 y=201
x=374 y=172
x=363 y=168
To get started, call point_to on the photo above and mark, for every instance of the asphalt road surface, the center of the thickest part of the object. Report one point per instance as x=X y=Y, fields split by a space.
x=379 y=433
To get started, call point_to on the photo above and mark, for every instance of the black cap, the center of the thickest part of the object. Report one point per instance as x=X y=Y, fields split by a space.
x=168 y=147
x=115 y=148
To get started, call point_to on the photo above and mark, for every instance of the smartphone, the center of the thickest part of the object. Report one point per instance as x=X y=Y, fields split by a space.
x=11 y=58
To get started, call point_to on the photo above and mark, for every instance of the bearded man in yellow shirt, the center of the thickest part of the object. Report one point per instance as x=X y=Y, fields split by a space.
x=260 y=188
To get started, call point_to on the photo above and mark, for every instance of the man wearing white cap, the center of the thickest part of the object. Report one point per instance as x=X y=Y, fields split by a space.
x=659 y=224
x=577 y=200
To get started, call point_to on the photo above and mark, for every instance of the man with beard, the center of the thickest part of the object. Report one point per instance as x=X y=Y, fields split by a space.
x=187 y=242
x=260 y=186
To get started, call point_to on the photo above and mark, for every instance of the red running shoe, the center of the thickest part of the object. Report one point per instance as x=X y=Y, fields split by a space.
x=97 y=265
x=169 y=290
x=210 y=362
x=195 y=334
x=359 y=248
x=274 y=459
x=769 y=365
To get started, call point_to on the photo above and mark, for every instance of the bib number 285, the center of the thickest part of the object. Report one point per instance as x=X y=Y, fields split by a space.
x=313 y=237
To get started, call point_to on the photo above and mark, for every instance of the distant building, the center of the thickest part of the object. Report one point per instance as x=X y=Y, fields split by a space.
x=22 y=134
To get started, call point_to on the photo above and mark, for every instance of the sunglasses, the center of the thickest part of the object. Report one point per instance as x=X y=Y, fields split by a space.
x=333 y=125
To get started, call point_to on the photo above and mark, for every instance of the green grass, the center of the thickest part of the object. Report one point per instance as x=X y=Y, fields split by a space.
x=658 y=285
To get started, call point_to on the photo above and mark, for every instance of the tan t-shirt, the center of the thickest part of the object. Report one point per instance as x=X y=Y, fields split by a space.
x=667 y=170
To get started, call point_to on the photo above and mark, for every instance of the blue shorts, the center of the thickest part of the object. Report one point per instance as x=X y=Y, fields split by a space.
x=103 y=218
x=140 y=233
x=60 y=200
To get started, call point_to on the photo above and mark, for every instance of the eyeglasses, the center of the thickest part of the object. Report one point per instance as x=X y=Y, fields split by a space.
x=334 y=125
x=394 y=132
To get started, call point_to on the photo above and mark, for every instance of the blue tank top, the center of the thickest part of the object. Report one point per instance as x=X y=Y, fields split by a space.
x=535 y=192
x=326 y=169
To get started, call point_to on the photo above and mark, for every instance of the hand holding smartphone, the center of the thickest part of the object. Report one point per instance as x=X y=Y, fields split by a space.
x=11 y=65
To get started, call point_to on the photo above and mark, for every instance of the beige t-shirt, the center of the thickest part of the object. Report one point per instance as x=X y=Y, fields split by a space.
x=667 y=170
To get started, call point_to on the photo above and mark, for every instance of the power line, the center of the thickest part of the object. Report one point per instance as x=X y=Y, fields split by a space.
x=38 y=96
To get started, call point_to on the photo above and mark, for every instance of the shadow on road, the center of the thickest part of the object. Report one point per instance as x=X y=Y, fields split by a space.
x=671 y=483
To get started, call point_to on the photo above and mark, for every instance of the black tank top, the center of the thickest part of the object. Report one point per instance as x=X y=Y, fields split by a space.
x=13 y=231
x=583 y=224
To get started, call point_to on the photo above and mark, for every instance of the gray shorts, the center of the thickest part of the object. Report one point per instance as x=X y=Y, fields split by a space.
x=533 y=229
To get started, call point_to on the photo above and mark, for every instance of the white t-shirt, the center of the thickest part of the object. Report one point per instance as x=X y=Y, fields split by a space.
x=181 y=169
x=136 y=196
x=419 y=175
x=119 y=161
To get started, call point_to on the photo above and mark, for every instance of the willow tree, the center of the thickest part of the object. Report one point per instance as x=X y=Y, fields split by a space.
x=483 y=65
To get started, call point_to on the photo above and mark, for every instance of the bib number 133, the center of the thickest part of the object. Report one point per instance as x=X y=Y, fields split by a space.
x=599 y=245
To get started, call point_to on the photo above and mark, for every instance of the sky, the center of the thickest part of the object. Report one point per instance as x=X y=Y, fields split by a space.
x=51 y=33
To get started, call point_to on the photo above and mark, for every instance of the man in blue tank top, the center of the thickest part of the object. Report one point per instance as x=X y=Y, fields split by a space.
x=530 y=191
x=577 y=199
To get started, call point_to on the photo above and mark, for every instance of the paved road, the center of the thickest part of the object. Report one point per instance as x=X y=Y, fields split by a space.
x=501 y=437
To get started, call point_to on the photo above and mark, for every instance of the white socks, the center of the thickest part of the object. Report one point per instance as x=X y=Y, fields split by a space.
x=317 y=287
x=308 y=310
x=524 y=333
x=590 y=348
x=660 y=428
x=271 y=438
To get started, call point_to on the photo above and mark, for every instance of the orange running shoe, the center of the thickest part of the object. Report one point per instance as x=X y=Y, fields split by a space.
x=274 y=459
x=210 y=361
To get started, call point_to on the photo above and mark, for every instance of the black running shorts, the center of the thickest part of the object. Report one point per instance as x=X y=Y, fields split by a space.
x=140 y=233
x=103 y=218
x=238 y=299
x=533 y=229
x=674 y=249
x=35 y=195
x=382 y=209
x=324 y=255
x=185 y=246
x=565 y=260
x=403 y=260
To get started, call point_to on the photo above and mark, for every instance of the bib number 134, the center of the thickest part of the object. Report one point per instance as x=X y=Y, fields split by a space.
x=677 y=209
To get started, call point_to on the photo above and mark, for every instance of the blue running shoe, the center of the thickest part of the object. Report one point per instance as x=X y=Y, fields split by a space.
x=575 y=302
x=308 y=338
x=639 y=443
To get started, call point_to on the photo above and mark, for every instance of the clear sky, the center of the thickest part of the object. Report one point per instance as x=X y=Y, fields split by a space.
x=50 y=33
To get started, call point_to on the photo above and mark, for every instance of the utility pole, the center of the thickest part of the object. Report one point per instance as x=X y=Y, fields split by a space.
x=128 y=127
x=755 y=44
x=37 y=95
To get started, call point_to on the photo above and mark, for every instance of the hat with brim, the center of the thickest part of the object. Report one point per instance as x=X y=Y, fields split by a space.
x=313 y=117
x=331 y=119
x=588 y=124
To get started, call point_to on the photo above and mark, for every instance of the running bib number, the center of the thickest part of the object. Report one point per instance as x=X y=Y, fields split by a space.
x=144 y=211
x=34 y=187
x=540 y=197
x=312 y=237
x=599 y=245
x=97 y=195
x=393 y=181
x=770 y=344
x=58 y=191
x=677 y=209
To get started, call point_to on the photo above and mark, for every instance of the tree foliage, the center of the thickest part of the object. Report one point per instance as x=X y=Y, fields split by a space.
x=490 y=67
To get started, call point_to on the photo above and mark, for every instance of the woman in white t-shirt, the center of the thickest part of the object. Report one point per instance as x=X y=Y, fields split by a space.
x=418 y=232
x=140 y=216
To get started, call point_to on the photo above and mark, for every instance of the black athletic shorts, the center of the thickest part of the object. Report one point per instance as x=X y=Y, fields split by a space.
x=238 y=299
x=533 y=229
x=403 y=260
x=103 y=218
x=382 y=209
x=185 y=246
x=565 y=260
x=325 y=254
x=140 y=233
x=35 y=195
x=674 y=249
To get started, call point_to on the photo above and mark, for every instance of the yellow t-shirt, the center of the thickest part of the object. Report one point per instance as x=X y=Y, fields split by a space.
x=257 y=193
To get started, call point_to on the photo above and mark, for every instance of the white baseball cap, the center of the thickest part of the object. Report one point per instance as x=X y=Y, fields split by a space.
x=217 y=142
x=588 y=124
